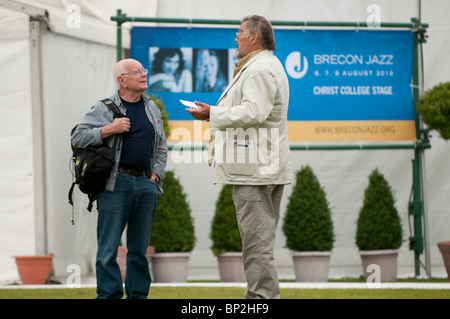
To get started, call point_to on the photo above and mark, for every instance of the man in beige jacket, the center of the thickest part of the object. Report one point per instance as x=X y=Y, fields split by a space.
x=250 y=148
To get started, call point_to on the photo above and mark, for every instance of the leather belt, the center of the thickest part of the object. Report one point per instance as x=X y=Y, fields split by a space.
x=134 y=172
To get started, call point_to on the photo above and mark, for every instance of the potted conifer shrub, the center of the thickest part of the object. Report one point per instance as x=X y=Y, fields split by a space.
x=172 y=233
x=226 y=239
x=378 y=230
x=308 y=228
x=165 y=117
x=434 y=108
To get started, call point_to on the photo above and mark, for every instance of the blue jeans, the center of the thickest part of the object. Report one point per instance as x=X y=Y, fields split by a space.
x=133 y=202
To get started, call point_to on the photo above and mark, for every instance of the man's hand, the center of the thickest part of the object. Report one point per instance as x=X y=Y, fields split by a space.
x=202 y=113
x=119 y=125
x=154 y=178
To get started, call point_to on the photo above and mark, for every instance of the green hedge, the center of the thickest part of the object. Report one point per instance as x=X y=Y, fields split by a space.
x=224 y=228
x=434 y=107
x=165 y=117
x=173 y=227
x=307 y=223
x=378 y=225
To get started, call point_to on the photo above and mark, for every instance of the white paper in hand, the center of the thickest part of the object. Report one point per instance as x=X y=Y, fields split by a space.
x=190 y=104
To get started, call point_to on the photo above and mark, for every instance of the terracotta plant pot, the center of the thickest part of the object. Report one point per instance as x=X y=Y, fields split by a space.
x=385 y=259
x=231 y=267
x=444 y=247
x=170 y=267
x=311 y=266
x=122 y=258
x=34 y=270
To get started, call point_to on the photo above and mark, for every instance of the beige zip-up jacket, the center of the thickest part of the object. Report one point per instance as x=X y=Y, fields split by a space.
x=249 y=126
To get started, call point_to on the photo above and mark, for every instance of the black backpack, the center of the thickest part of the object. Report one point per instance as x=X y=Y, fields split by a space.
x=91 y=166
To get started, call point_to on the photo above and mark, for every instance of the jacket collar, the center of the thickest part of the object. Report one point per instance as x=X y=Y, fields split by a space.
x=241 y=63
x=116 y=98
x=252 y=59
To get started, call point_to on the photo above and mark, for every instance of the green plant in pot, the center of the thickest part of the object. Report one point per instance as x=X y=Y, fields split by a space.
x=434 y=108
x=308 y=227
x=172 y=234
x=378 y=230
x=165 y=117
x=226 y=239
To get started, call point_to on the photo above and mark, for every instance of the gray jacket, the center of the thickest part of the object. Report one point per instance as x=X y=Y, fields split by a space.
x=88 y=134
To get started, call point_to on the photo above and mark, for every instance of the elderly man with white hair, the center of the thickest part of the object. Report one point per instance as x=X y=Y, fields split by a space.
x=130 y=195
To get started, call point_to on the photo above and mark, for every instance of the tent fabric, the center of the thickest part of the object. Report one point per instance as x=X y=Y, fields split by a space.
x=76 y=72
x=16 y=160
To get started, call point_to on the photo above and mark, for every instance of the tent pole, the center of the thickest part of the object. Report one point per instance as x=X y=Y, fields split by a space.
x=40 y=205
x=37 y=16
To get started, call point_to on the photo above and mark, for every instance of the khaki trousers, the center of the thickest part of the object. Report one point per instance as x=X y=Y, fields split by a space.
x=258 y=212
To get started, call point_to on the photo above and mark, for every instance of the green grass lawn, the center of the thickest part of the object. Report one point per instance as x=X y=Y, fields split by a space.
x=229 y=302
x=233 y=293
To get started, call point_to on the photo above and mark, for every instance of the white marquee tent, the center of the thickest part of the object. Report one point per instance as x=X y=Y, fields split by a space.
x=53 y=68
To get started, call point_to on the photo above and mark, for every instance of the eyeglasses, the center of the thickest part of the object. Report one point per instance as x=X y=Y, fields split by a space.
x=136 y=72
x=240 y=33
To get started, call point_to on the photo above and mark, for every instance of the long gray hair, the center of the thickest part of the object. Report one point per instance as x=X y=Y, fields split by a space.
x=256 y=23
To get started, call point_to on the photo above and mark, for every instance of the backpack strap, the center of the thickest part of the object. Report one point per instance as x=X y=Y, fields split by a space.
x=92 y=199
x=70 y=194
x=110 y=103
x=117 y=114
